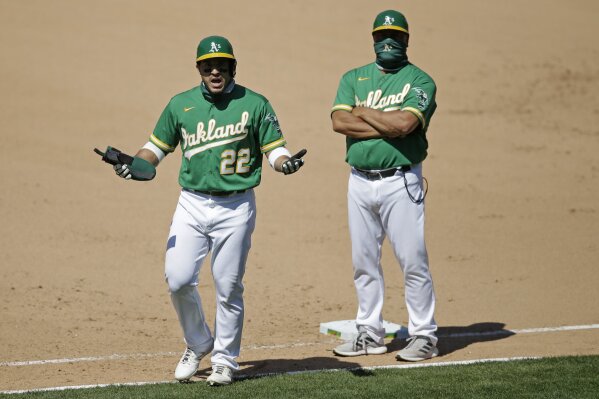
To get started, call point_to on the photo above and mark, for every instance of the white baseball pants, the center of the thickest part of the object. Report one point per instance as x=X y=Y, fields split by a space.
x=222 y=226
x=382 y=208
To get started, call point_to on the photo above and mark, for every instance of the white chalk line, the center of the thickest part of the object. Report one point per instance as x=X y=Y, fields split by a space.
x=288 y=346
x=139 y=355
x=398 y=366
x=244 y=376
x=89 y=359
x=65 y=388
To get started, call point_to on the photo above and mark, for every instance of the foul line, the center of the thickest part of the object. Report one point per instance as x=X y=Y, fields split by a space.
x=139 y=355
x=88 y=359
x=127 y=384
x=245 y=376
x=293 y=345
x=395 y=366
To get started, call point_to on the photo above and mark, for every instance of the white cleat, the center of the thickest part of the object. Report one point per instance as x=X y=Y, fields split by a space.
x=188 y=365
x=221 y=375
x=418 y=348
x=363 y=344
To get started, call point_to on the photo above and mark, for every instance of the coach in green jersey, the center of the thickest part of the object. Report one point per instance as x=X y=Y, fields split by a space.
x=223 y=130
x=384 y=109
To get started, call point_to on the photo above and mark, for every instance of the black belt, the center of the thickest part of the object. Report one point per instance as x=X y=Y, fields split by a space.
x=217 y=193
x=374 y=175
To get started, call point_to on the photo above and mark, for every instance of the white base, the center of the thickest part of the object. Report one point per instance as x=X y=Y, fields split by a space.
x=346 y=329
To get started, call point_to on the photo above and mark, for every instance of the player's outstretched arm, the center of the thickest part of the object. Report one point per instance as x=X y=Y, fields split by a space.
x=352 y=126
x=284 y=163
x=124 y=170
x=142 y=166
x=390 y=124
x=148 y=155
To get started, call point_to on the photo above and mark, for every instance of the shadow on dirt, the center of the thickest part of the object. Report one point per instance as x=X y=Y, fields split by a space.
x=263 y=368
x=451 y=339
x=454 y=338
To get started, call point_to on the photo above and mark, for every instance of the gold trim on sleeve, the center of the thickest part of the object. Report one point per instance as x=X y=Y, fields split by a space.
x=342 y=107
x=416 y=113
x=271 y=146
x=160 y=144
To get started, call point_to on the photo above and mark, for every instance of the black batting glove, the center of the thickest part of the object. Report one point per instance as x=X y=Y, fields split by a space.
x=293 y=164
x=122 y=171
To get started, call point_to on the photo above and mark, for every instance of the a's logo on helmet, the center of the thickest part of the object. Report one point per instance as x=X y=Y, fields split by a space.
x=388 y=20
x=214 y=47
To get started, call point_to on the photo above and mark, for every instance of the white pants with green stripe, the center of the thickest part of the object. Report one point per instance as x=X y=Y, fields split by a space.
x=222 y=226
x=379 y=209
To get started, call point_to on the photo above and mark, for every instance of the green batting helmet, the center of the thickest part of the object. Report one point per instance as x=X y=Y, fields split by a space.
x=390 y=19
x=214 y=47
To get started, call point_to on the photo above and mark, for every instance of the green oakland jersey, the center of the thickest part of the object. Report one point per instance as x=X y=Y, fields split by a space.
x=222 y=142
x=410 y=89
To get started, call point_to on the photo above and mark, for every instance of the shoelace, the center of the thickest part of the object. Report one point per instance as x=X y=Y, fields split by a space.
x=186 y=356
x=361 y=342
x=219 y=369
x=411 y=342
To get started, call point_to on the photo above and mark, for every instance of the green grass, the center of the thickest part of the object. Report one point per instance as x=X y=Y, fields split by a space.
x=558 y=377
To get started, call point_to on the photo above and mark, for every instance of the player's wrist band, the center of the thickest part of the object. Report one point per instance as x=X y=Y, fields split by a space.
x=155 y=149
x=276 y=153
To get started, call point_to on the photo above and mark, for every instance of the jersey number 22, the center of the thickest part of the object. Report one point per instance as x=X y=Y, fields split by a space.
x=235 y=162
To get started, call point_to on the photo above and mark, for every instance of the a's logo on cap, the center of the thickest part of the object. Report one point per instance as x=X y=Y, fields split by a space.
x=214 y=47
x=388 y=20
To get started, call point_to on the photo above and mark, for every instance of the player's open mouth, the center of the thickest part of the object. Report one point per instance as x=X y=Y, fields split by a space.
x=217 y=83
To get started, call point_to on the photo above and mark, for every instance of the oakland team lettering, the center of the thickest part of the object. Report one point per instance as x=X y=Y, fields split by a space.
x=210 y=133
x=376 y=100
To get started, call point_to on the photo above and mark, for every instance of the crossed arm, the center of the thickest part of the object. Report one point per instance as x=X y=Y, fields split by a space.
x=368 y=123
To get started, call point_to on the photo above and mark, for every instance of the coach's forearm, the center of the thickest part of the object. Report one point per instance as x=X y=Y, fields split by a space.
x=351 y=126
x=390 y=124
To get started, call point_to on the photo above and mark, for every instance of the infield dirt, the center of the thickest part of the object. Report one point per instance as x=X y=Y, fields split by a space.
x=512 y=211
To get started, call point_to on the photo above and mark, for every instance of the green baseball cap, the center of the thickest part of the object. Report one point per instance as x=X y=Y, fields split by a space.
x=390 y=19
x=214 y=47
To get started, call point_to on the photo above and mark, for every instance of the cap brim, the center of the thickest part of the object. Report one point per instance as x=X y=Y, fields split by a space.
x=215 y=55
x=393 y=27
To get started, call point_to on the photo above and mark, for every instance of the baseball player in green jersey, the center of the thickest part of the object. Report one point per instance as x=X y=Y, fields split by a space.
x=384 y=110
x=223 y=130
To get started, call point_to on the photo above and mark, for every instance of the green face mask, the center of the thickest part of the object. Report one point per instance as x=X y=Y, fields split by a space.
x=391 y=55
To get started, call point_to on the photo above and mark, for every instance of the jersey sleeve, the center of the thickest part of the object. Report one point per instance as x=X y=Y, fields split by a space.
x=346 y=98
x=420 y=100
x=269 y=131
x=166 y=133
